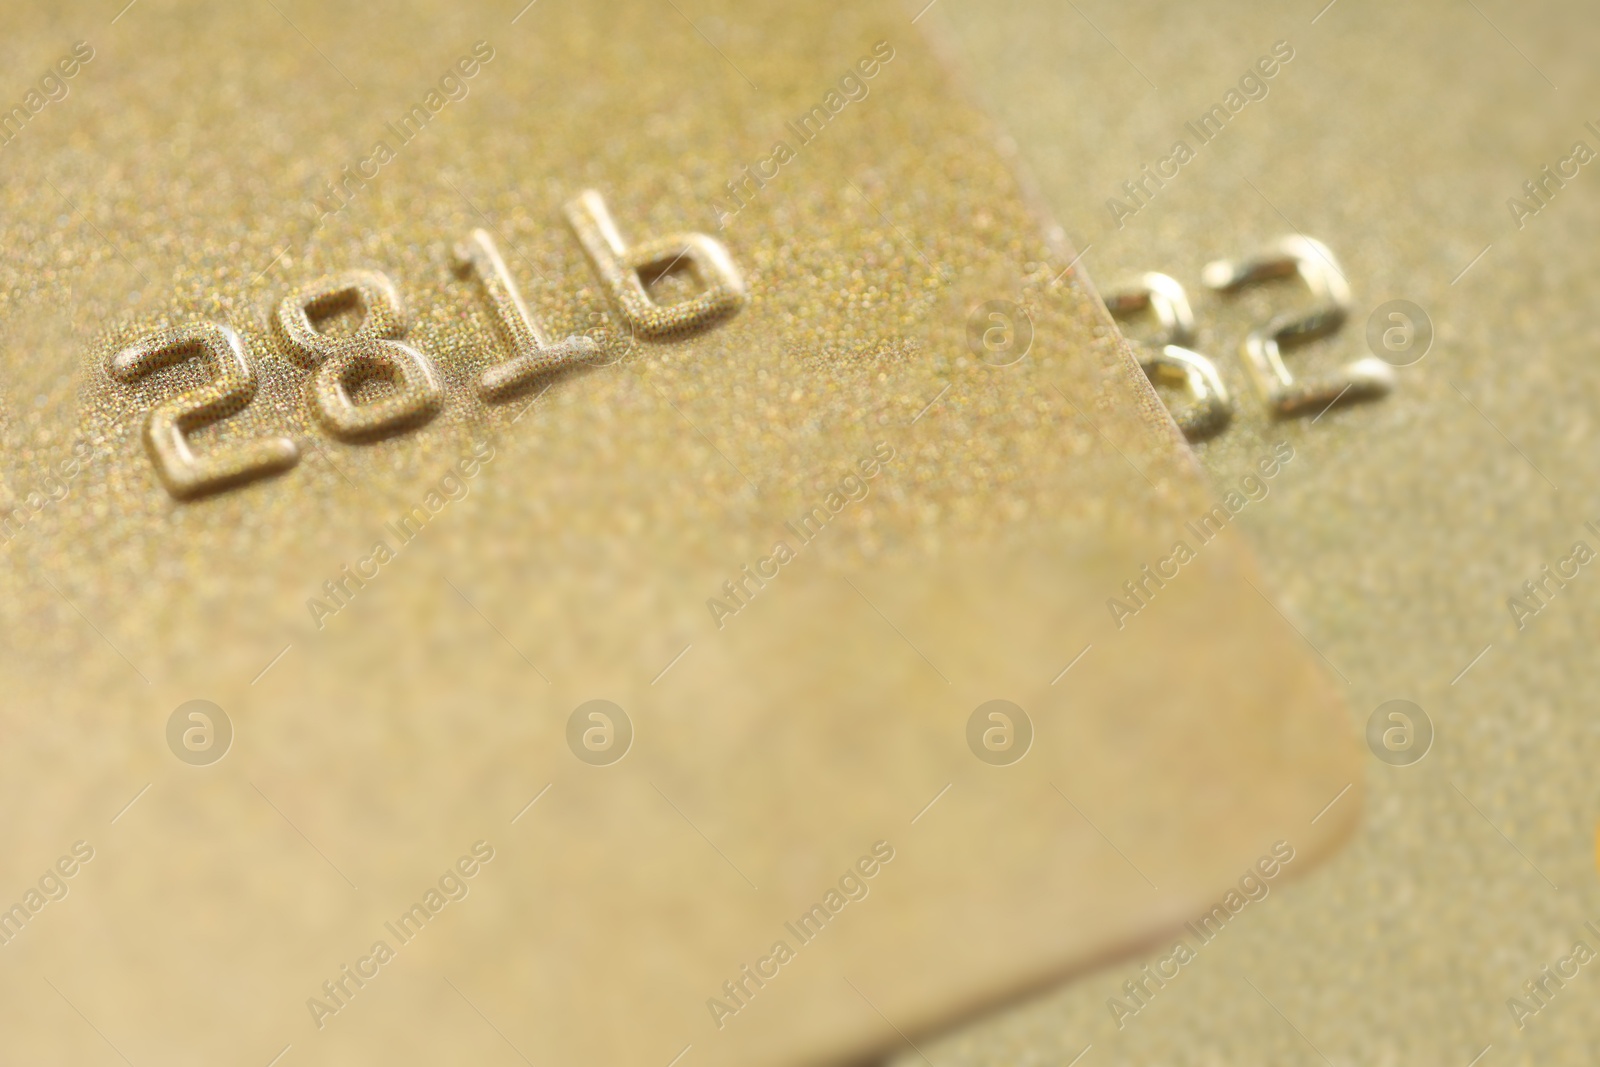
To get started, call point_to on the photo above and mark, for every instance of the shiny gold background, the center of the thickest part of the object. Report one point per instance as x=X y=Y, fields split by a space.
x=173 y=183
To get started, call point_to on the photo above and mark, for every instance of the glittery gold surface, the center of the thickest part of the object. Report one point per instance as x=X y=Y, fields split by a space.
x=399 y=628
x=1397 y=134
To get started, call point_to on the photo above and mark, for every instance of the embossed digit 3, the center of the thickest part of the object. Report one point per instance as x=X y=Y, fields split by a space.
x=1315 y=265
x=1210 y=407
x=168 y=423
x=373 y=351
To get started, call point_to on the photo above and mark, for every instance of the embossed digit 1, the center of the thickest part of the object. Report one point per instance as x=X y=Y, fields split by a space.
x=374 y=350
x=532 y=353
x=1263 y=348
x=169 y=422
x=626 y=271
x=1165 y=298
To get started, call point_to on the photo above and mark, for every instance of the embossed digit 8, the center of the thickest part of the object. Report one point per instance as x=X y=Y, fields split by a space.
x=373 y=351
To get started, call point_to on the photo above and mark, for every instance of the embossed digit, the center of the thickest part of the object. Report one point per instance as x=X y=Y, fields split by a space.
x=374 y=350
x=627 y=270
x=532 y=353
x=170 y=421
x=1211 y=407
x=1263 y=349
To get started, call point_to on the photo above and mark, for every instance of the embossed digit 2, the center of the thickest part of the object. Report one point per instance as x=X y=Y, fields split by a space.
x=1310 y=259
x=167 y=425
x=374 y=350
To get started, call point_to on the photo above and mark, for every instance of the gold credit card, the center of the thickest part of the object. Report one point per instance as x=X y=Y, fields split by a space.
x=1431 y=537
x=591 y=533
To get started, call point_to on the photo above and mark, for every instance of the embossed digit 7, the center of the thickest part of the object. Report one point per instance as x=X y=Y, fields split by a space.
x=170 y=421
x=1263 y=349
